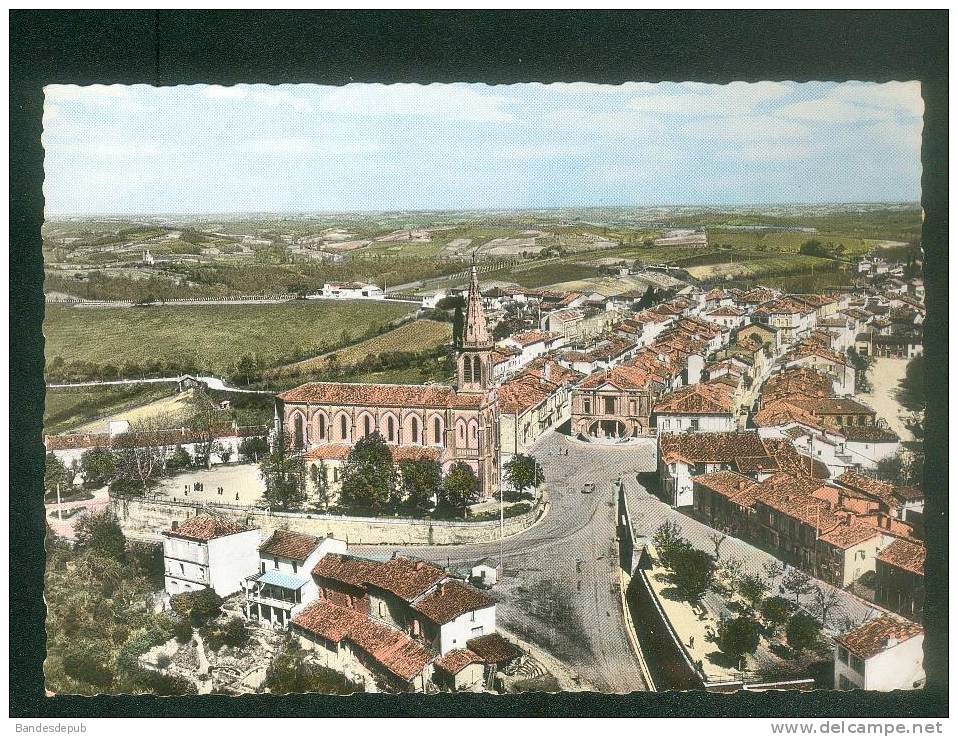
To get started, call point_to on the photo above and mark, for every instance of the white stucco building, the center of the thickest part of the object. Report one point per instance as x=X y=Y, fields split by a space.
x=284 y=584
x=207 y=552
x=882 y=655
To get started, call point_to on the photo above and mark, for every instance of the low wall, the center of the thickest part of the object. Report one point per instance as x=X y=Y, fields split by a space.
x=147 y=518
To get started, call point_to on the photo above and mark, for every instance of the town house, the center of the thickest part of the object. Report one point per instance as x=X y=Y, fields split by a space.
x=208 y=552
x=900 y=578
x=284 y=584
x=884 y=654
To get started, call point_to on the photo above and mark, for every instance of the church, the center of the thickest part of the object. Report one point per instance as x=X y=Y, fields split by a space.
x=450 y=424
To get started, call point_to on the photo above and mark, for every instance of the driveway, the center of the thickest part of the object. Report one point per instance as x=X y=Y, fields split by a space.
x=560 y=588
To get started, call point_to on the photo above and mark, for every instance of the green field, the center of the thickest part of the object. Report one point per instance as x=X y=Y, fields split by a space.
x=786 y=241
x=541 y=276
x=65 y=409
x=215 y=336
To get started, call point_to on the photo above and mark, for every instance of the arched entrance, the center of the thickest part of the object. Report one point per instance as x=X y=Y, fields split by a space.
x=608 y=429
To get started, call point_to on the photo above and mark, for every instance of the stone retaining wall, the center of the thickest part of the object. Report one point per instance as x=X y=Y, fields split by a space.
x=147 y=518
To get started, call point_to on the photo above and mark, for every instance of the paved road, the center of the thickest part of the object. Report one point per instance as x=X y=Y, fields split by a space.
x=211 y=382
x=560 y=589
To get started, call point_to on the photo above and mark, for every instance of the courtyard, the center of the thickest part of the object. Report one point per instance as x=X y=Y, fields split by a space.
x=240 y=482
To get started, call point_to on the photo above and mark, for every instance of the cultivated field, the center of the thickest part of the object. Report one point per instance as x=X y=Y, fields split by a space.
x=215 y=336
x=65 y=409
x=419 y=335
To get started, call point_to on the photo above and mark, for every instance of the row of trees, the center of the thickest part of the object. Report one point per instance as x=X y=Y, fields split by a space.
x=372 y=483
x=695 y=572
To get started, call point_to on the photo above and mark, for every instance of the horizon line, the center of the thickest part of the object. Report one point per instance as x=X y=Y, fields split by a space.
x=549 y=208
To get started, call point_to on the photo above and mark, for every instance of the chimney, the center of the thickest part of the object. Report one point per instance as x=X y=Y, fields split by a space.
x=419 y=565
x=891 y=642
x=442 y=590
x=547 y=371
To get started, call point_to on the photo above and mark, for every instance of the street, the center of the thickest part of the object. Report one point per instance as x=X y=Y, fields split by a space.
x=560 y=588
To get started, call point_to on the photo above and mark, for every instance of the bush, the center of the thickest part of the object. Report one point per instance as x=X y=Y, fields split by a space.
x=802 y=632
x=182 y=631
x=231 y=634
x=102 y=534
x=87 y=661
x=738 y=637
x=290 y=673
x=164 y=661
x=196 y=606
x=776 y=610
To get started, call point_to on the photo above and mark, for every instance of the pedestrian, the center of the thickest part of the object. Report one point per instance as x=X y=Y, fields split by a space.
x=692 y=641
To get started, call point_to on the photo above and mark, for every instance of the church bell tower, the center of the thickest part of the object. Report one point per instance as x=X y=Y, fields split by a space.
x=475 y=356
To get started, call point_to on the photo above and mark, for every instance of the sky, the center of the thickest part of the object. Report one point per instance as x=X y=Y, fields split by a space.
x=308 y=148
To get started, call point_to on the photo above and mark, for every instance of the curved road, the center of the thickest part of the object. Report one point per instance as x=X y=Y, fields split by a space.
x=560 y=590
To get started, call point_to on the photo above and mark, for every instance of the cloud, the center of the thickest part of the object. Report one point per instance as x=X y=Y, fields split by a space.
x=448 y=102
x=859 y=102
x=697 y=99
x=300 y=146
x=260 y=94
x=530 y=152
x=745 y=128
x=95 y=94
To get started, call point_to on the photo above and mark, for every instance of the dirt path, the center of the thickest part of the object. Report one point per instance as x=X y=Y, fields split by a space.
x=884 y=376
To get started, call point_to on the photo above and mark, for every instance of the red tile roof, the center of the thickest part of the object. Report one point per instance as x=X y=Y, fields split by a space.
x=450 y=600
x=379 y=395
x=733 y=486
x=203 y=528
x=709 y=447
x=405 y=577
x=400 y=453
x=878 y=635
x=346 y=569
x=329 y=621
x=494 y=648
x=292 y=545
x=395 y=651
x=698 y=399
x=524 y=392
x=455 y=660
x=905 y=554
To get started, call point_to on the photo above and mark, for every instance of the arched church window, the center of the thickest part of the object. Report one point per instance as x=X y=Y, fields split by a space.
x=343 y=428
x=415 y=430
x=298 y=431
x=390 y=430
x=367 y=425
x=322 y=427
x=437 y=431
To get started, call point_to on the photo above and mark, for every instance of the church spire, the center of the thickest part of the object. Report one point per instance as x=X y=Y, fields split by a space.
x=476 y=334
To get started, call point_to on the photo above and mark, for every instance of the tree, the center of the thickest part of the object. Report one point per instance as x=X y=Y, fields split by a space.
x=826 y=599
x=773 y=569
x=459 y=488
x=648 y=299
x=692 y=573
x=102 y=534
x=204 y=420
x=666 y=538
x=776 y=610
x=738 y=637
x=178 y=459
x=753 y=588
x=797 y=583
x=246 y=368
x=322 y=493
x=368 y=476
x=802 y=631
x=862 y=365
x=57 y=476
x=225 y=452
x=729 y=571
x=523 y=471
x=290 y=672
x=717 y=538
x=458 y=326
x=253 y=448
x=911 y=389
x=421 y=480
x=283 y=471
x=141 y=455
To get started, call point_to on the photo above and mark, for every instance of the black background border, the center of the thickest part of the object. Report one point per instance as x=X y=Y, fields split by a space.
x=179 y=47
